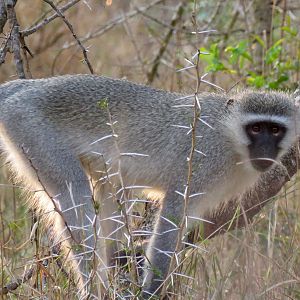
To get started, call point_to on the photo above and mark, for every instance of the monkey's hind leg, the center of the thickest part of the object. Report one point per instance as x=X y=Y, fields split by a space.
x=61 y=195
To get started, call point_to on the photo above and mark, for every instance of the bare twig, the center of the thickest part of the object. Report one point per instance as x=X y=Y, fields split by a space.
x=284 y=12
x=15 y=37
x=215 y=14
x=179 y=12
x=83 y=49
x=3 y=15
x=135 y=45
x=5 y=48
x=114 y=22
x=13 y=285
x=40 y=25
x=40 y=263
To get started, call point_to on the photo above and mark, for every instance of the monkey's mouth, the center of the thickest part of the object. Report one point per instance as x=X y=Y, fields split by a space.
x=262 y=164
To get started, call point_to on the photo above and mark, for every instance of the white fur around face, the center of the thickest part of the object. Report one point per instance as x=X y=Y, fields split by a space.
x=236 y=132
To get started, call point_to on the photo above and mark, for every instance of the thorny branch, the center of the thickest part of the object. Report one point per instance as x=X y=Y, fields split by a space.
x=114 y=22
x=15 y=37
x=3 y=15
x=59 y=13
x=5 y=48
x=13 y=285
x=69 y=25
x=16 y=283
x=182 y=225
x=122 y=204
x=179 y=12
x=46 y=21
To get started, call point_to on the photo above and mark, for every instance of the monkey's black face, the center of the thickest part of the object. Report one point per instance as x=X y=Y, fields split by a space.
x=265 y=138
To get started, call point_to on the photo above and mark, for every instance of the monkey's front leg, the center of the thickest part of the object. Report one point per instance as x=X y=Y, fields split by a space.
x=162 y=244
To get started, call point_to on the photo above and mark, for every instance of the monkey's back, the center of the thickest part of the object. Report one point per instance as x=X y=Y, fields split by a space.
x=148 y=121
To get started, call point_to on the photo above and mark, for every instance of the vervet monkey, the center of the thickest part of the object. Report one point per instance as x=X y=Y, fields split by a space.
x=55 y=134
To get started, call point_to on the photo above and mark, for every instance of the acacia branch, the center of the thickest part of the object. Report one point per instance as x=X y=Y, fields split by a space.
x=70 y=27
x=40 y=25
x=3 y=15
x=15 y=37
x=13 y=285
x=179 y=12
x=5 y=48
x=116 y=21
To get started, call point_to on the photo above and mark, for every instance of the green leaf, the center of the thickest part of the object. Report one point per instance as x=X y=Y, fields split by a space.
x=212 y=59
x=273 y=52
x=259 y=40
x=291 y=31
x=206 y=57
x=103 y=103
x=256 y=80
x=240 y=50
x=276 y=84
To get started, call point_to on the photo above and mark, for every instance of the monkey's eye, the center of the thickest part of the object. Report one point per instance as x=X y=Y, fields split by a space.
x=255 y=128
x=275 y=130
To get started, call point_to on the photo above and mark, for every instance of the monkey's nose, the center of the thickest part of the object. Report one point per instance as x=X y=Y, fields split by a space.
x=261 y=164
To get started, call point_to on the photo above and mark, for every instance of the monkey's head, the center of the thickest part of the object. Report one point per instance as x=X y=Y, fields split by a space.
x=267 y=127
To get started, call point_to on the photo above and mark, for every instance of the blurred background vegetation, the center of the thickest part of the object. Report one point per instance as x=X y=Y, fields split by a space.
x=243 y=44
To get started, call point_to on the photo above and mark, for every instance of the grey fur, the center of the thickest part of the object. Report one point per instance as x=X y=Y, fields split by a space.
x=53 y=123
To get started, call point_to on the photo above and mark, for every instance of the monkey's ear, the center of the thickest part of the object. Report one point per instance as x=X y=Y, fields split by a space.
x=229 y=103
